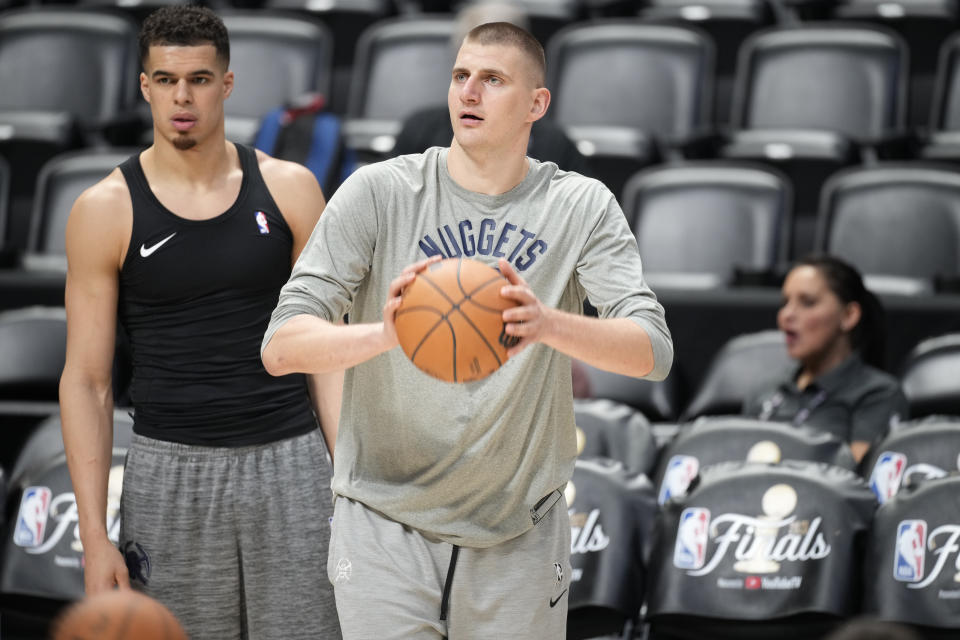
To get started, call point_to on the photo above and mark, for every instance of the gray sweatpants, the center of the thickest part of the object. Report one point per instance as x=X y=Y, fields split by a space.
x=393 y=582
x=232 y=540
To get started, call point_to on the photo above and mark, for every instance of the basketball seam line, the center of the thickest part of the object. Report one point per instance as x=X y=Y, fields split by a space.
x=457 y=306
x=469 y=296
x=480 y=287
x=443 y=319
x=482 y=337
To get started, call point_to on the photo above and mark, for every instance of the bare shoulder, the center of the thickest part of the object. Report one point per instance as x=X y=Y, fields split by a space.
x=102 y=216
x=104 y=200
x=285 y=174
x=295 y=190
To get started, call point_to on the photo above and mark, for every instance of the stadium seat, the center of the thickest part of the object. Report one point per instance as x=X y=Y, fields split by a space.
x=658 y=401
x=346 y=20
x=140 y=9
x=698 y=224
x=742 y=367
x=4 y=199
x=815 y=98
x=32 y=352
x=923 y=449
x=543 y=17
x=401 y=66
x=611 y=517
x=42 y=555
x=924 y=25
x=61 y=181
x=713 y=440
x=75 y=73
x=728 y=23
x=629 y=93
x=910 y=561
x=899 y=224
x=931 y=376
x=608 y=429
x=275 y=59
x=943 y=142
x=759 y=551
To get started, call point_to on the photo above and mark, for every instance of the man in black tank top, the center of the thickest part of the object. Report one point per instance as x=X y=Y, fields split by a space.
x=226 y=496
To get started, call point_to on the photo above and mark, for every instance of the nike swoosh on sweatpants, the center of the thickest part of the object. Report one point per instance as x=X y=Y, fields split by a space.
x=146 y=252
x=553 y=602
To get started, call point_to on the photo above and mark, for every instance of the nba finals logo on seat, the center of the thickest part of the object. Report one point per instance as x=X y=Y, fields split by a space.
x=32 y=517
x=586 y=529
x=690 y=551
x=46 y=519
x=680 y=472
x=887 y=474
x=910 y=550
x=909 y=566
x=759 y=544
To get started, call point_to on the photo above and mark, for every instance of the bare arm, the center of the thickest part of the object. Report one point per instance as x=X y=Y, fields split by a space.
x=859 y=449
x=613 y=344
x=309 y=344
x=94 y=246
x=326 y=393
x=301 y=203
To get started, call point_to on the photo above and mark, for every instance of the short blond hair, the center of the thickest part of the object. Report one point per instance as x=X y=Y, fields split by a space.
x=504 y=33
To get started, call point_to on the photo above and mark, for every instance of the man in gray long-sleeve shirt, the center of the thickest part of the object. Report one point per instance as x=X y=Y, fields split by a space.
x=450 y=518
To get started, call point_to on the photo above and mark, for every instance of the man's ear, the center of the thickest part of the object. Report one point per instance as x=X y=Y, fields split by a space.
x=541 y=102
x=144 y=87
x=227 y=84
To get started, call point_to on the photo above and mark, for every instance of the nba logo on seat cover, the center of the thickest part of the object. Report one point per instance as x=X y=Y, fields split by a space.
x=32 y=518
x=262 y=222
x=910 y=550
x=886 y=475
x=681 y=470
x=691 y=548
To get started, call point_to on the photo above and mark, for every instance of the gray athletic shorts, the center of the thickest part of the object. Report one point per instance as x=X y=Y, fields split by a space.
x=232 y=540
x=394 y=582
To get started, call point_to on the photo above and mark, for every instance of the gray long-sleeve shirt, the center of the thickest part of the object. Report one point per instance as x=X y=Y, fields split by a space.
x=465 y=462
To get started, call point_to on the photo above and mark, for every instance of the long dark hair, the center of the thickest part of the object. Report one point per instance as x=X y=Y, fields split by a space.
x=869 y=337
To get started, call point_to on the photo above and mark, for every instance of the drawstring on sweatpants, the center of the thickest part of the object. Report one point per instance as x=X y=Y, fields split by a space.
x=445 y=600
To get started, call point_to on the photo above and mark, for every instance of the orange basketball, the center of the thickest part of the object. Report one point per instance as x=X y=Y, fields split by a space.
x=118 y=615
x=449 y=321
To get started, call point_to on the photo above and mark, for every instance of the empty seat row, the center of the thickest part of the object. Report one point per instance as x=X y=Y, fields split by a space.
x=662 y=74
x=701 y=224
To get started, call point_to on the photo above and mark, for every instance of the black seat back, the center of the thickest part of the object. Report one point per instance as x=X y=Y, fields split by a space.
x=923 y=449
x=857 y=73
x=759 y=551
x=742 y=368
x=911 y=573
x=930 y=376
x=713 y=440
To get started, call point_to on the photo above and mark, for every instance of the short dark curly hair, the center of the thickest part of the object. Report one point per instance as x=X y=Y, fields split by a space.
x=184 y=26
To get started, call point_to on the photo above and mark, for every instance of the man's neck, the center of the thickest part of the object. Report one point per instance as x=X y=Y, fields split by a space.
x=201 y=166
x=486 y=172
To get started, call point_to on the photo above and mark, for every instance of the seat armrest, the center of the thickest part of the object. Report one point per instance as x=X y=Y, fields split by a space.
x=54 y=127
x=779 y=145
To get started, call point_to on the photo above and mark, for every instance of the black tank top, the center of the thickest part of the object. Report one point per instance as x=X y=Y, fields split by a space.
x=195 y=299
